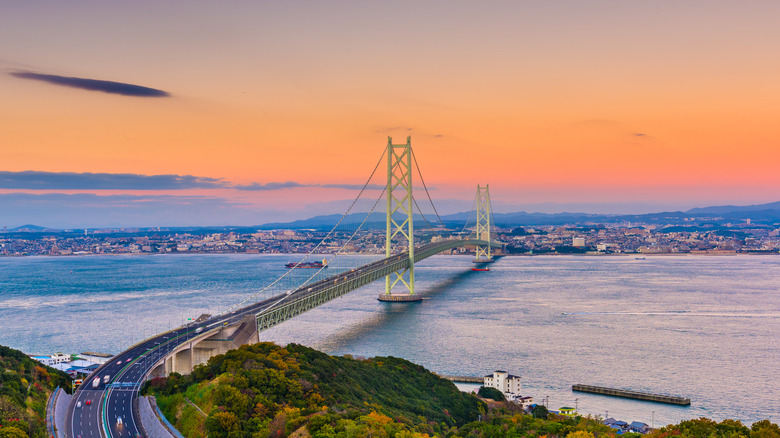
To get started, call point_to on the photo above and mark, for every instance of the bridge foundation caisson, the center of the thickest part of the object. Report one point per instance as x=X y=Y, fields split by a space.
x=399 y=200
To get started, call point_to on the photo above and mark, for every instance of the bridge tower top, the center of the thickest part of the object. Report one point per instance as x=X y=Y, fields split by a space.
x=484 y=254
x=400 y=201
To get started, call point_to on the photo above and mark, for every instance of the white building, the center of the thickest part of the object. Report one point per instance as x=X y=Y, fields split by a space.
x=53 y=359
x=504 y=382
x=578 y=242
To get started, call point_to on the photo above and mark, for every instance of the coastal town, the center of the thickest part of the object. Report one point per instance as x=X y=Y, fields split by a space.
x=595 y=239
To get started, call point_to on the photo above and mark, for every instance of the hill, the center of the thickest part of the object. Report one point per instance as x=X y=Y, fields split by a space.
x=762 y=213
x=264 y=390
x=25 y=386
x=267 y=390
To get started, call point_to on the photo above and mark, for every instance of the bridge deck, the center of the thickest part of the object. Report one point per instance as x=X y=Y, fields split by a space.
x=305 y=298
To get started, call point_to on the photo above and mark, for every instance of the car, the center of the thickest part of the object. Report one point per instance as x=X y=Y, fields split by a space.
x=119 y=362
x=119 y=421
x=78 y=405
x=88 y=402
x=128 y=360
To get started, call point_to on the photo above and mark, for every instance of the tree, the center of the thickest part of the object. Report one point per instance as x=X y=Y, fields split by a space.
x=579 y=434
x=540 y=411
x=12 y=432
x=221 y=424
x=491 y=393
x=764 y=429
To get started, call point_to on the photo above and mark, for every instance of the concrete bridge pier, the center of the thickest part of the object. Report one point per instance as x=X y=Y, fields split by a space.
x=205 y=345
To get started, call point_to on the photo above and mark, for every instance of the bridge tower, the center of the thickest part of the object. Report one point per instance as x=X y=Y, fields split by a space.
x=399 y=200
x=484 y=254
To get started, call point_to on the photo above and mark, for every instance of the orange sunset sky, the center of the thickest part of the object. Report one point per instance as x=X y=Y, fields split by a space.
x=606 y=106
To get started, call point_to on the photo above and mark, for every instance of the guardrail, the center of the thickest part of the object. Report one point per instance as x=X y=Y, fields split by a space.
x=50 y=404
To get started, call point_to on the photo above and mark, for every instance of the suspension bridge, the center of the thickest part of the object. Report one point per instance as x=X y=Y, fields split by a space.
x=112 y=390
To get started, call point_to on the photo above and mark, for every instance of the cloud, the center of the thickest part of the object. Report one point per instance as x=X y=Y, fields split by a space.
x=59 y=210
x=639 y=134
x=93 y=84
x=35 y=180
x=292 y=184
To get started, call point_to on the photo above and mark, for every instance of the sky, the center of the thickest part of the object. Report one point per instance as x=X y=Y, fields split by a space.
x=149 y=113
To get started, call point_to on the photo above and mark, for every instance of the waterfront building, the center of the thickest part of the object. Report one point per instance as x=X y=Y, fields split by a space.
x=567 y=411
x=53 y=359
x=98 y=358
x=639 y=427
x=504 y=382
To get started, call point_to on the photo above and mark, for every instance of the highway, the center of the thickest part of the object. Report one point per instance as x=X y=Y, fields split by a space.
x=111 y=411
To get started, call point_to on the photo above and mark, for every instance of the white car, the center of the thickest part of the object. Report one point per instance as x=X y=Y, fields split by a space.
x=119 y=421
x=78 y=405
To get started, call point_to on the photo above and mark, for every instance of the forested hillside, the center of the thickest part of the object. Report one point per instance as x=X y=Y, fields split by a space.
x=264 y=390
x=25 y=386
x=267 y=390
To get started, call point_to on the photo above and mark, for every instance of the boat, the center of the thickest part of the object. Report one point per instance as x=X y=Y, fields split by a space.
x=307 y=265
x=480 y=269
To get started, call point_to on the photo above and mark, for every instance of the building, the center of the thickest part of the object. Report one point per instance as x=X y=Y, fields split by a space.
x=567 y=411
x=503 y=381
x=77 y=367
x=53 y=359
x=578 y=242
x=93 y=357
x=639 y=427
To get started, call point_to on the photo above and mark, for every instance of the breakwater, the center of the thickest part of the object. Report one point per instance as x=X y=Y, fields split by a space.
x=660 y=398
x=463 y=379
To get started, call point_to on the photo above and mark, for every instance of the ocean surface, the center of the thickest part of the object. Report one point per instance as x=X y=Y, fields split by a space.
x=707 y=328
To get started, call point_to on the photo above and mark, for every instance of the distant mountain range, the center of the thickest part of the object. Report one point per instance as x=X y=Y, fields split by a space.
x=762 y=214
x=759 y=215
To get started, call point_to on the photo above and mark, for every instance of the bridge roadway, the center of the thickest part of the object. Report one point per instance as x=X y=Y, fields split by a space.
x=112 y=409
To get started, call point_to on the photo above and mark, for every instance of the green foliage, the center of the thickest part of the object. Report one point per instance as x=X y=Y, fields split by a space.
x=223 y=424
x=706 y=428
x=264 y=389
x=491 y=393
x=540 y=411
x=25 y=385
x=12 y=432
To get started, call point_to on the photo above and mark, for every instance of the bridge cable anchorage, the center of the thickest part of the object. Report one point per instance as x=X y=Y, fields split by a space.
x=313 y=250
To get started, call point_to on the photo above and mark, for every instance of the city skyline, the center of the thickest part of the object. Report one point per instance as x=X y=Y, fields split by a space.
x=251 y=112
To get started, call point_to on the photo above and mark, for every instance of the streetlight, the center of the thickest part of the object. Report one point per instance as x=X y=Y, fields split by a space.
x=576 y=401
x=652 y=422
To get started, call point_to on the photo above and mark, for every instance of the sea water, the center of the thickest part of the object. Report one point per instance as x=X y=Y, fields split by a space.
x=705 y=328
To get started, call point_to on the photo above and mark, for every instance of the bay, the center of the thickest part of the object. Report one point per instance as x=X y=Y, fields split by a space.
x=707 y=328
